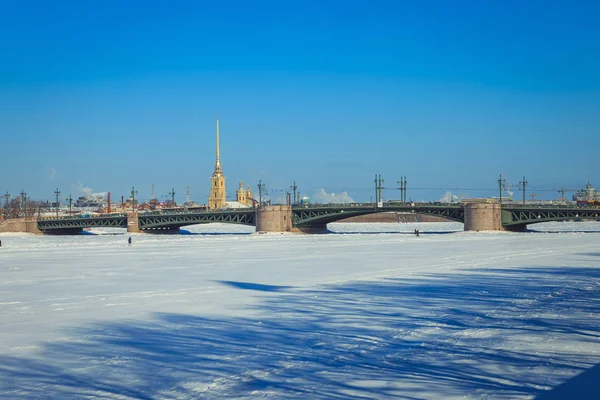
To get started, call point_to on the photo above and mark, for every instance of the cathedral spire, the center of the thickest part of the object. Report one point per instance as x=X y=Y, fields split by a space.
x=217 y=198
x=218 y=162
x=218 y=138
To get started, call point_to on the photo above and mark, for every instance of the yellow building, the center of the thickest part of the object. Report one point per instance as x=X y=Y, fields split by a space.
x=244 y=196
x=217 y=198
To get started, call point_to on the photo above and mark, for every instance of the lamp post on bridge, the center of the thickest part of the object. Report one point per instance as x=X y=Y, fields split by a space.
x=523 y=184
x=133 y=193
x=378 y=188
x=6 y=198
x=402 y=183
x=376 y=191
x=23 y=201
x=172 y=193
x=56 y=192
x=261 y=188
x=500 y=183
x=293 y=189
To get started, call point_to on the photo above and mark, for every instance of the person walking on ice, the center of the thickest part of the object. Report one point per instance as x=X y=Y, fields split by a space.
x=129 y=241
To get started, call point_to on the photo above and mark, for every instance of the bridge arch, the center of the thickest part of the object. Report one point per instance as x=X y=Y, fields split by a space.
x=315 y=218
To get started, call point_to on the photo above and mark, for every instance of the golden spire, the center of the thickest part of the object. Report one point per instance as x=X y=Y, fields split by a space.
x=218 y=162
x=217 y=137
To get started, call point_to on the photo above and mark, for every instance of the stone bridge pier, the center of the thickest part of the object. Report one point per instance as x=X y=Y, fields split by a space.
x=483 y=217
x=133 y=223
x=279 y=219
x=28 y=224
x=274 y=219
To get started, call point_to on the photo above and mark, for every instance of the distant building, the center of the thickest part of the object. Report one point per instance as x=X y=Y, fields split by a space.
x=235 y=205
x=217 y=198
x=244 y=196
x=587 y=193
x=89 y=202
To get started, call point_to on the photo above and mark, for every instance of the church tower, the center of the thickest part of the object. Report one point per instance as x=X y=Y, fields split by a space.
x=217 y=190
x=240 y=194
x=249 y=198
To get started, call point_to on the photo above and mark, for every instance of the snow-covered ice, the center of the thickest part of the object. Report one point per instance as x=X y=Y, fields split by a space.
x=372 y=312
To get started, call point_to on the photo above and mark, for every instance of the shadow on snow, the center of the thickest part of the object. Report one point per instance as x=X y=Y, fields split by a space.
x=475 y=333
x=255 y=286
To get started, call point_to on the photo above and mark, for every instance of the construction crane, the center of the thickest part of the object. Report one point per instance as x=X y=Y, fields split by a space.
x=562 y=193
x=533 y=195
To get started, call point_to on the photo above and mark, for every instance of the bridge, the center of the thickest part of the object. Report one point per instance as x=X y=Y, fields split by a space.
x=146 y=222
x=516 y=218
x=314 y=218
x=75 y=224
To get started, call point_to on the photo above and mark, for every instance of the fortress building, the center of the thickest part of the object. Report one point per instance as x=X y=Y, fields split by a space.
x=217 y=196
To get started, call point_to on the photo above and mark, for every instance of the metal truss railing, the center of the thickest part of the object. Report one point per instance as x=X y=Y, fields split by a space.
x=112 y=221
x=324 y=214
x=168 y=221
x=525 y=216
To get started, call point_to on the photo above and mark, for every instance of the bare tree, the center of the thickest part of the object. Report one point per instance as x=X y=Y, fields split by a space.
x=15 y=208
x=32 y=207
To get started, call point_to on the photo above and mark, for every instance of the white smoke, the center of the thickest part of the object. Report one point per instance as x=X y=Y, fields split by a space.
x=326 y=198
x=88 y=192
x=448 y=197
x=52 y=173
x=510 y=194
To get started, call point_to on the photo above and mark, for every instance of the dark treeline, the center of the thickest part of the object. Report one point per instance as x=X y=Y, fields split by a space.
x=16 y=208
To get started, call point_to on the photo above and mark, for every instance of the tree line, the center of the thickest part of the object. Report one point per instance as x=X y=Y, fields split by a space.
x=18 y=208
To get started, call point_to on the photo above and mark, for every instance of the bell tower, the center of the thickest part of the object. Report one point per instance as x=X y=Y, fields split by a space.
x=217 y=190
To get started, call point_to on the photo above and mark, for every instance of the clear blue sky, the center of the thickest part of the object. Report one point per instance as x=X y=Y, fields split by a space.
x=107 y=95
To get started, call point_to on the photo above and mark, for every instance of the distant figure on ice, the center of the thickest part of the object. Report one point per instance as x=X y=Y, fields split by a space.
x=0 y=243
x=416 y=232
x=129 y=241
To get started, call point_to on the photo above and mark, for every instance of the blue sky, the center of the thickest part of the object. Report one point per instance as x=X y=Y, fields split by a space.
x=103 y=96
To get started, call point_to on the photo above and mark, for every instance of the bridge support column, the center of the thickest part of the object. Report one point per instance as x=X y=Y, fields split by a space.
x=133 y=223
x=28 y=225
x=483 y=217
x=274 y=219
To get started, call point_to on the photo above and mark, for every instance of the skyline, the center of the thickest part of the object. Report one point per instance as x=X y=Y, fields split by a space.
x=326 y=96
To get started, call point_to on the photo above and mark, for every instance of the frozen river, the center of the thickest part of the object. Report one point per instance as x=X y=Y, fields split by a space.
x=372 y=312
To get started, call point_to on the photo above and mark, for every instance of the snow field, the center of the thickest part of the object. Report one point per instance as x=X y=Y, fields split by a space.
x=222 y=313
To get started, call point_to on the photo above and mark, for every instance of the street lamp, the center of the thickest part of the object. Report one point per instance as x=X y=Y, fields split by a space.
x=56 y=192
x=500 y=183
x=133 y=193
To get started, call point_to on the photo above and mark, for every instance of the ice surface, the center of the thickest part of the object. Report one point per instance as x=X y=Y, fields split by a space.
x=221 y=312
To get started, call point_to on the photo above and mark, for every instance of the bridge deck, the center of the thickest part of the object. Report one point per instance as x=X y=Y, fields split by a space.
x=513 y=216
x=176 y=220
x=80 y=222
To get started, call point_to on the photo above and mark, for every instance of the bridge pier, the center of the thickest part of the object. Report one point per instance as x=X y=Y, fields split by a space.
x=28 y=225
x=133 y=223
x=483 y=217
x=274 y=219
